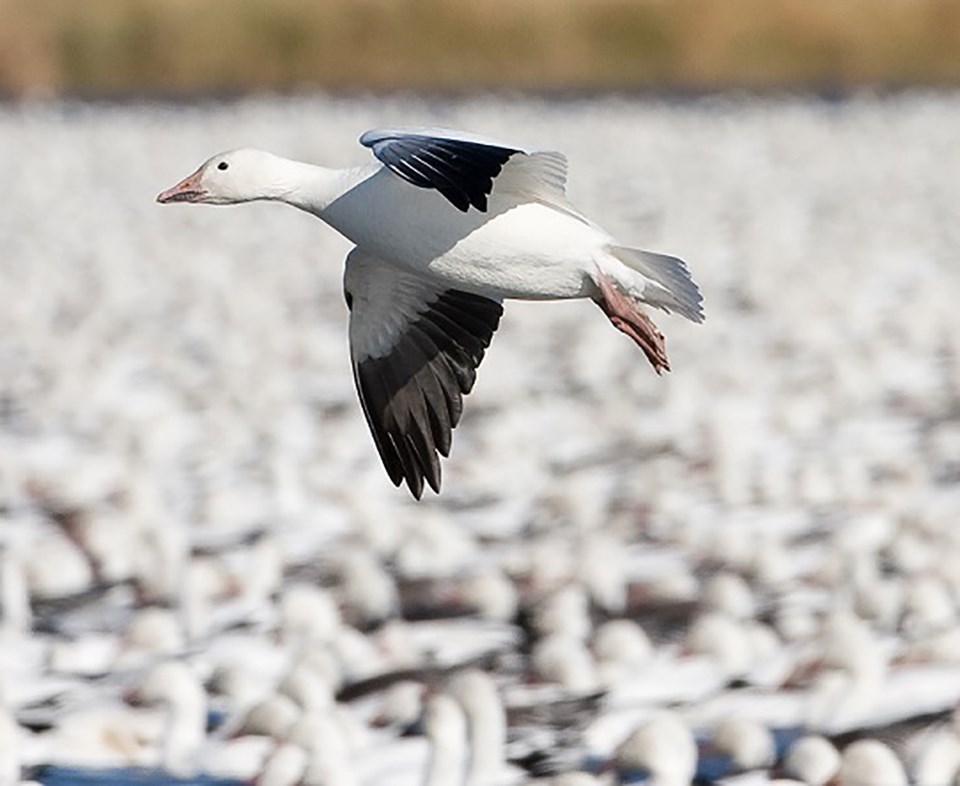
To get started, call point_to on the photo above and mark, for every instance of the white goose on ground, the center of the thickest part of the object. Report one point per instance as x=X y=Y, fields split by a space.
x=447 y=225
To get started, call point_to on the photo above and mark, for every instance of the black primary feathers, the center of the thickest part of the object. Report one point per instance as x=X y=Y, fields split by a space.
x=412 y=396
x=462 y=170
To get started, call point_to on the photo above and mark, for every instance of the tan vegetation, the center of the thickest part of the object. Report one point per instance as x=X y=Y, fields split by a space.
x=190 y=46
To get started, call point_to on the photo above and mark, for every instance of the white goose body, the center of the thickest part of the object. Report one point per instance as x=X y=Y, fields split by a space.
x=446 y=227
x=524 y=250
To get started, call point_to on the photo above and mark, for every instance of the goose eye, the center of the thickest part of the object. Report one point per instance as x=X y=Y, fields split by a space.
x=222 y=165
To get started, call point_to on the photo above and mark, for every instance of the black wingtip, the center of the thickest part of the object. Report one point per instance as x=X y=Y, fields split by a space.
x=412 y=396
x=416 y=488
x=462 y=170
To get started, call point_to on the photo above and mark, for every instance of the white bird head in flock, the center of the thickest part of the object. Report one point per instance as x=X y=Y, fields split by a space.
x=176 y=689
x=228 y=178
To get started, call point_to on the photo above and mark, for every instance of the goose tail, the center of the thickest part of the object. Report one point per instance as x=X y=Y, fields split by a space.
x=666 y=281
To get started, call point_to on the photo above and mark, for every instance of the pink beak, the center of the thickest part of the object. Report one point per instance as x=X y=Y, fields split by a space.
x=187 y=190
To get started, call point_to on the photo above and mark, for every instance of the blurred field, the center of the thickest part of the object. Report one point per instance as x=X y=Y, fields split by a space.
x=183 y=47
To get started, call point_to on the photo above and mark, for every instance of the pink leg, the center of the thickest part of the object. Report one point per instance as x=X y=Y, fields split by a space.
x=626 y=316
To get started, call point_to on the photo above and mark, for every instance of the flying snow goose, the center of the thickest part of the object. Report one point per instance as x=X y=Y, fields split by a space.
x=447 y=225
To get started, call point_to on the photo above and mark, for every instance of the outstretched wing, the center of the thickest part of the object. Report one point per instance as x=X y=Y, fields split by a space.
x=415 y=349
x=463 y=167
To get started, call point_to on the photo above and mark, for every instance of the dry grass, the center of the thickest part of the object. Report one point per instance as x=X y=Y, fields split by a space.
x=190 y=46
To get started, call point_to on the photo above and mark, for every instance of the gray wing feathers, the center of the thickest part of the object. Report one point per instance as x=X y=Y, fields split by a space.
x=540 y=176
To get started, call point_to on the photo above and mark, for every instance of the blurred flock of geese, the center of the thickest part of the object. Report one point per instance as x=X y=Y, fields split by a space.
x=747 y=571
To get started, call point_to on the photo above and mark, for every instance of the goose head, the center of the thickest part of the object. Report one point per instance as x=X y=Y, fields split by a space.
x=663 y=746
x=175 y=689
x=812 y=760
x=228 y=178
